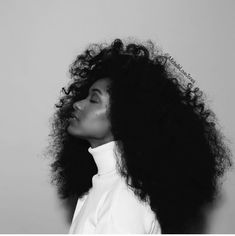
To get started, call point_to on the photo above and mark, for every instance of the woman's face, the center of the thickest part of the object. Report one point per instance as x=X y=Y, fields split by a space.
x=92 y=112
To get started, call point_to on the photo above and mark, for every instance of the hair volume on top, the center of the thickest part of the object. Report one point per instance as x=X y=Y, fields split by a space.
x=171 y=149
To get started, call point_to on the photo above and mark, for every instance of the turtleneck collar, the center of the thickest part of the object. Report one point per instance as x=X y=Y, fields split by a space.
x=105 y=157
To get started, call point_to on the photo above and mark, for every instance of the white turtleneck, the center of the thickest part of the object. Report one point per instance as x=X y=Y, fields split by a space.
x=105 y=157
x=110 y=207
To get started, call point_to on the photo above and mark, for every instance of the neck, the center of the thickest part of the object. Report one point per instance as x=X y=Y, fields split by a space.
x=105 y=157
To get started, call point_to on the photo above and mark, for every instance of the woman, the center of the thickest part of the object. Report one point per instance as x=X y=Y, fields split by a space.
x=134 y=144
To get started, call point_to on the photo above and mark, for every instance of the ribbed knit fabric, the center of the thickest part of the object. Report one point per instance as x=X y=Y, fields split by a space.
x=110 y=207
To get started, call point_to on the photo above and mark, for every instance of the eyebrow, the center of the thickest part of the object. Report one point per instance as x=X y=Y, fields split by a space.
x=97 y=90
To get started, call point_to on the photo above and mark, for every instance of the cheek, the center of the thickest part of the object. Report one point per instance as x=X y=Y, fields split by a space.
x=97 y=121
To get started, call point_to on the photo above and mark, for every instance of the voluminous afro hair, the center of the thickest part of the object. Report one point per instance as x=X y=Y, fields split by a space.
x=171 y=147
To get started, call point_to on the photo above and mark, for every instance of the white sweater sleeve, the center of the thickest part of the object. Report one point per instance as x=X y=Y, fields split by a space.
x=128 y=216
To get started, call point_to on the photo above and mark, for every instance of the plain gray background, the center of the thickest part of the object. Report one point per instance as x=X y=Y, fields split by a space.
x=40 y=38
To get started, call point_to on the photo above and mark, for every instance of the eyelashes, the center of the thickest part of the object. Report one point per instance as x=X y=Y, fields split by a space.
x=93 y=101
x=86 y=95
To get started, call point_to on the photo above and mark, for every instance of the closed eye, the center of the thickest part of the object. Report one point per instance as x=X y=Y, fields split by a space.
x=93 y=101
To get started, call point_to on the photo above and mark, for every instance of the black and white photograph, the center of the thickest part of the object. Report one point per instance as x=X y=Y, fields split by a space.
x=117 y=117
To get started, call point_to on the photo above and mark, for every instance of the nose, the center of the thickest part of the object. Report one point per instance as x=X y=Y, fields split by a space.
x=76 y=106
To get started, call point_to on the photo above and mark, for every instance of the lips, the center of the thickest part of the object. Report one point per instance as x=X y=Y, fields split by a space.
x=74 y=116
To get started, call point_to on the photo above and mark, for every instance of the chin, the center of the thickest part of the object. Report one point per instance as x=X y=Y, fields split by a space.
x=71 y=130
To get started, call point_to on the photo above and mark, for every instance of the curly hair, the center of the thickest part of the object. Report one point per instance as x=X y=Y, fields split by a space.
x=171 y=147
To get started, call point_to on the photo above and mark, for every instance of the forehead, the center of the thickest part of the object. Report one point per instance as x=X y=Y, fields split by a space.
x=101 y=84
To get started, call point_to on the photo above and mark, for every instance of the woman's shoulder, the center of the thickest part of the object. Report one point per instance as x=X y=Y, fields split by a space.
x=127 y=210
x=126 y=199
x=135 y=210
